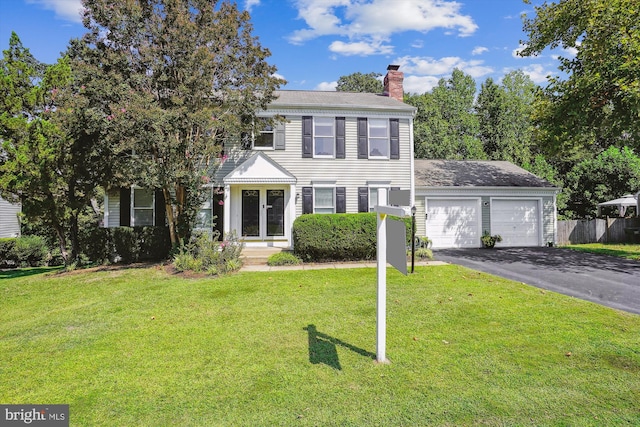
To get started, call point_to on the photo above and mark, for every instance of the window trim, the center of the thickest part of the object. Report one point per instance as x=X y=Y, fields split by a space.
x=255 y=133
x=333 y=198
x=133 y=208
x=377 y=187
x=387 y=138
x=332 y=120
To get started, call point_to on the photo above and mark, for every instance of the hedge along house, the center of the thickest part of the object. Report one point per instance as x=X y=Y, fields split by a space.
x=458 y=201
x=332 y=152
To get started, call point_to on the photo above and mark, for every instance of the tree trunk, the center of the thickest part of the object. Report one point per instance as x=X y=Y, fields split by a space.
x=73 y=235
x=62 y=241
x=171 y=220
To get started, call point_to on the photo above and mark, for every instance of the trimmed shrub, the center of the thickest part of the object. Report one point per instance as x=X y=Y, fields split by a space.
x=125 y=244
x=29 y=251
x=95 y=243
x=283 y=258
x=155 y=243
x=6 y=251
x=337 y=237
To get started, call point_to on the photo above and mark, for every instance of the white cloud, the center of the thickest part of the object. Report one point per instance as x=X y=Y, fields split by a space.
x=361 y=48
x=378 y=19
x=419 y=84
x=427 y=66
x=327 y=86
x=69 y=10
x=516 y=52
x=250 y=4
x=537 y=73
x=479 y=50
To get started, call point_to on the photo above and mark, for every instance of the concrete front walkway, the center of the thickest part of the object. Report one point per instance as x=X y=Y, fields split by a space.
x=325 y=266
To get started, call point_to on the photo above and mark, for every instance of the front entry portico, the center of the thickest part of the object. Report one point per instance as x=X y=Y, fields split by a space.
x=260 y=202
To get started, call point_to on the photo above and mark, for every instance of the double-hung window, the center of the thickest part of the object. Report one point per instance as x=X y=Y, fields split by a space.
x=324 y=200
x=323 y=136
x=379 y=138
x=143 y=206
x=263 y=134
x=374 y=192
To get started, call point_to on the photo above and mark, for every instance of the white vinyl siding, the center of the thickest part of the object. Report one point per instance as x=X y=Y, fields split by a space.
x=9 y=223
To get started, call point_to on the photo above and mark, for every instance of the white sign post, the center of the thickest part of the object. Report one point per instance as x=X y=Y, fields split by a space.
x=381 y=264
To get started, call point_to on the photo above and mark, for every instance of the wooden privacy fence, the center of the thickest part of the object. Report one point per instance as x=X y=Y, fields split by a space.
x=608 y=230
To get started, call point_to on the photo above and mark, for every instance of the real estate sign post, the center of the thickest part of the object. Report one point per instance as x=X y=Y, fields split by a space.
x=393 y=245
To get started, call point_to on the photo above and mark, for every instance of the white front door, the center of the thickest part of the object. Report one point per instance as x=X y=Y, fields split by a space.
x=263 y=213
x=453 y=223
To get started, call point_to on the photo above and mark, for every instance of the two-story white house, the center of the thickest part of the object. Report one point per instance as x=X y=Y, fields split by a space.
x=333 y=152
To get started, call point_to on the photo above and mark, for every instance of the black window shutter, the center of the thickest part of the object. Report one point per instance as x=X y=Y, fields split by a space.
x=279 y=136
x=218 y=211
x=341 y=200
x=307 y=136
x=307 y=200
x=394 y=131
x=363 y=199
x=125 y=207
x=362 y=139
x=340 y=135
x=160 y=209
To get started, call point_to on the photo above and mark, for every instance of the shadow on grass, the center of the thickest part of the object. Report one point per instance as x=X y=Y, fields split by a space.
x=23 y=272
x=323 y=348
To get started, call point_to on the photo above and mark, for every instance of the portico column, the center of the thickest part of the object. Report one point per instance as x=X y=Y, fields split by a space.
x=226 y=226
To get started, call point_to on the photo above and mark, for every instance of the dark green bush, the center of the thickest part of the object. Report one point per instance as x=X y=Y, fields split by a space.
x=6 y=251
x=96 y=243
x=337 y=237
x=29 y=251
x=155 y=243
x=125 y=244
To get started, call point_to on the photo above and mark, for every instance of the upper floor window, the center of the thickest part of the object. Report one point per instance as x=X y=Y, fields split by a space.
x=379 y=138
x=263 y=134
x=323 y=136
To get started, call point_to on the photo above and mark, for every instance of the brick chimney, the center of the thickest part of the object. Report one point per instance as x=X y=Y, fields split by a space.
x=393 y=83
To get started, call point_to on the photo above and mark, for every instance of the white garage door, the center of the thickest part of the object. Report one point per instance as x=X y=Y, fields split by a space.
x=517 y=221
x=453 y=223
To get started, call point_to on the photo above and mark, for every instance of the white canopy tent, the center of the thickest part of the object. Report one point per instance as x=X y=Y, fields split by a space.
x=622 y=204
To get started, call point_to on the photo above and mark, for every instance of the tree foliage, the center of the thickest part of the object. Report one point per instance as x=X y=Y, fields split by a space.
x=47 y=157
x=504 y=115
x=358 y=82
x=598 y=105
x=446 y=126
x=612 y=174
x=170 y=79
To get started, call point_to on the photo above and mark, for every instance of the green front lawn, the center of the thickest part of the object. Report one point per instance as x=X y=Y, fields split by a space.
x=142 y=347
x=628 y=251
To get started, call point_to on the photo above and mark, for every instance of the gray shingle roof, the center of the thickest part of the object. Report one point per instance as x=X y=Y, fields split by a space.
x=351 y=100
x=474 y=173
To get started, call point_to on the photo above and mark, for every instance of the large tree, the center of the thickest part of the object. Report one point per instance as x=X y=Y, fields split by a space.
x=47 y=154
x=598 y=104
x=358 y=82
x=171 y=79
x=504 y=115
x=446 y=126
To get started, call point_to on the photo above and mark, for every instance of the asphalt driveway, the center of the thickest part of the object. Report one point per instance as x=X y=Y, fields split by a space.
x=606 y=280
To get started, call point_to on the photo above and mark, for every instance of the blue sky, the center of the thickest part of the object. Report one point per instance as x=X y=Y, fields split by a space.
x=315 y=42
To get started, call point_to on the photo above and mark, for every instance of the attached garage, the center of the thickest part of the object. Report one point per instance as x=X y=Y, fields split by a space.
x=458 y=201
x=453 y=222
x=517 y=221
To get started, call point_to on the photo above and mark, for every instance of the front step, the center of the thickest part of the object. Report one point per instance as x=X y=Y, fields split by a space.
x=258 y=256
